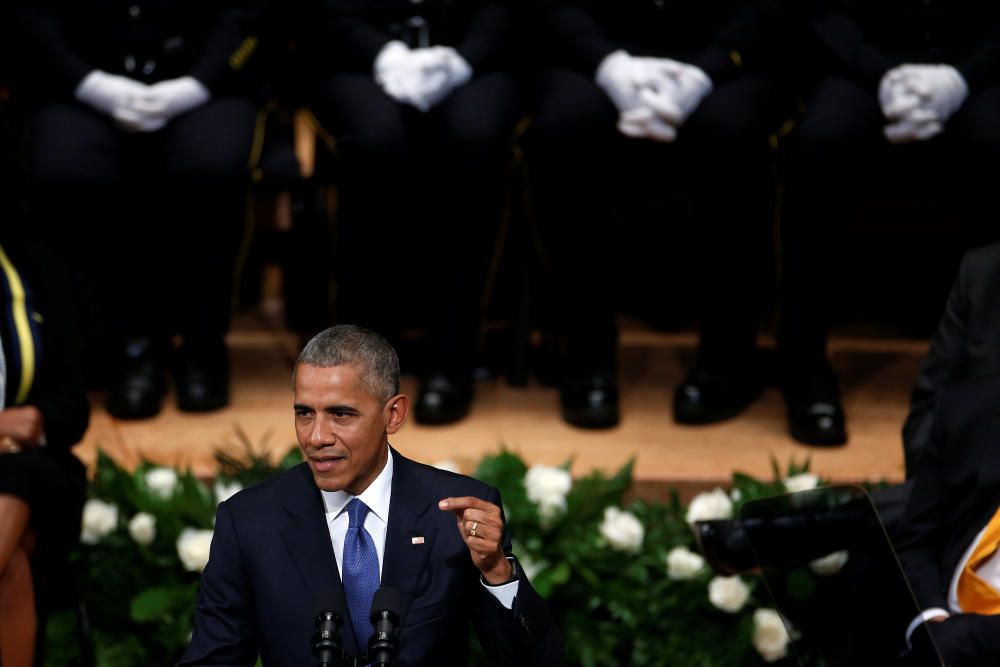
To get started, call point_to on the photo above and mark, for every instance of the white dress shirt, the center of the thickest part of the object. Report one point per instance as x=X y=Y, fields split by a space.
x=378 y=497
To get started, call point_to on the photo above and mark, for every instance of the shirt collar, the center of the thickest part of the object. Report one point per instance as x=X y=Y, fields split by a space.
x=376 y=496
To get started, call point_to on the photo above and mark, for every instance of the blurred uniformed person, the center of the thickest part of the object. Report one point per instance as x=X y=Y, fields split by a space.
x=144 y=120
x=422 y=106
x=682 y=90
x=904 y=95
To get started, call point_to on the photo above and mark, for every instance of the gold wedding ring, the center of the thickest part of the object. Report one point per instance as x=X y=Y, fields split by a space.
x=475 y=524
x=10 y=445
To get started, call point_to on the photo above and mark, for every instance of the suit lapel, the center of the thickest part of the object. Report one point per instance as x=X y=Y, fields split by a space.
x=306 y=537
x=410 y=534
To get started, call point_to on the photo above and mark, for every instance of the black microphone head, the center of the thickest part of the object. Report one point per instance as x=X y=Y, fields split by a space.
x=386 y=599
x=329 y=601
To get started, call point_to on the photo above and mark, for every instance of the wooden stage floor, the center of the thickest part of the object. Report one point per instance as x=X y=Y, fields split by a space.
x=876 y=375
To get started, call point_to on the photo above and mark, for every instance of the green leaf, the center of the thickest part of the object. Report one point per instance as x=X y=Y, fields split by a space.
x=151 y=605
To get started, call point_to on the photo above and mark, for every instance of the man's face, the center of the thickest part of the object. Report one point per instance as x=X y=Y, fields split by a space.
x=342 y=427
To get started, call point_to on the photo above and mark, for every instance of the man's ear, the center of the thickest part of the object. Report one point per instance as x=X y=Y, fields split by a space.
x=398 y=408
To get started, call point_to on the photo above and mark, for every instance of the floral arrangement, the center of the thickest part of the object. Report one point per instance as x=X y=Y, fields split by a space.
x=623 y=579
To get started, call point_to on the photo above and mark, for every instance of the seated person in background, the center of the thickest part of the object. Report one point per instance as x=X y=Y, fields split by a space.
x=966 y=345
x=422 y=106
x=45 y=412
x=355 y=516
x=143 y=127
x=686 y=87
x=902 y=96
x=948 y=538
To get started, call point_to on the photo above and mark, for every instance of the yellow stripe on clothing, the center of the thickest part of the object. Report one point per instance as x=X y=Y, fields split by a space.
x=22 y=327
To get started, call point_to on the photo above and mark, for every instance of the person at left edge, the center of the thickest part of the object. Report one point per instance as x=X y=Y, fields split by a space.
x=280 y=545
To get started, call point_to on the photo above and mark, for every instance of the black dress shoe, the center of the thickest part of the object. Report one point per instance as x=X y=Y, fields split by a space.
x=815 y=415
x=202 y=380
x=443 y=399
x=708 y=396
x=590 y=401
x=138 y=390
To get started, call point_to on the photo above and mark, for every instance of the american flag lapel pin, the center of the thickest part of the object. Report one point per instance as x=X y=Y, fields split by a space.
x=419 y=539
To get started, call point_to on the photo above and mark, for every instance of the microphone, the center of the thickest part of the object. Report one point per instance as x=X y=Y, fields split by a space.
x=327 y=645
x=384 y=644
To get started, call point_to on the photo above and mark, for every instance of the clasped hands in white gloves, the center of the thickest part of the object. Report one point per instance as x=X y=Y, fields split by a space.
x=138 y=107
x=654 y=96
x=919 y=99
x=420 y=77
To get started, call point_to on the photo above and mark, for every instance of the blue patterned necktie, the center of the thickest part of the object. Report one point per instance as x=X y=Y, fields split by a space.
x=361 y=578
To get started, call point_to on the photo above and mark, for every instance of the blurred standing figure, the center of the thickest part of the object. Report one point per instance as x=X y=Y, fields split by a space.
x=43 y=413
x=144 y=120
x=904 y=93
x=689 y=84
x=422 y=106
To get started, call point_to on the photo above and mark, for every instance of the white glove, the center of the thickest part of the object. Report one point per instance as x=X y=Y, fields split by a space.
x=940 y=87
x=919 y=125
x=108 y=93
x=420 y=77
x=622 y=77
x=919 y=99
x=676 y=89
x=160 y=103
x=644 y=123
x=895 y=94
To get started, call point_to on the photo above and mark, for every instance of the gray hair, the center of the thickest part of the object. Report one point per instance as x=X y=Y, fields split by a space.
x=348 y=344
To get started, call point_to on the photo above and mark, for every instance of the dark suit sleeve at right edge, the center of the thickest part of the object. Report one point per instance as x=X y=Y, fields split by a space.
x=921 y=540
x=524 y=635
x=945 y=363
x=223 y=621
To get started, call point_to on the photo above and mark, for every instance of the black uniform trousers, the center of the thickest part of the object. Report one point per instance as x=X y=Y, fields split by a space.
x=150 y=222
x=721 y=158
x=838 y=155
x=419 y=205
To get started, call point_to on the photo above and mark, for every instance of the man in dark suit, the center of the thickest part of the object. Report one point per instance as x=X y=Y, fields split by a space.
x=944 y=541
x=436 y=537
x=966 y=345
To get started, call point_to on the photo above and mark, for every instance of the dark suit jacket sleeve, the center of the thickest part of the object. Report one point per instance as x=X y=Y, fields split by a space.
x=945 y=363
x=230 y=44
x=922 y=532
x=524 y=635
x=487 y=36
x=575 y=36
x=982 y=66
x=842 y=40
x=42 y=35
x=223 y=617
x=740 y=39
x=61 y=395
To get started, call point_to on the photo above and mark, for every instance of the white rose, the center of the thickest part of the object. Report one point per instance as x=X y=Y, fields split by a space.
x=770 y=636
x=710 y=505
x=830 y=564
x=547 y=487
x=142 y=528
x=728 y=593
x=161 y=482
x=448 y=465
x=736 y=495
x=99 y=519
x=224 y=491
x=683 y=564
x=623 y=531
x=801 y=482
x=193 y=547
